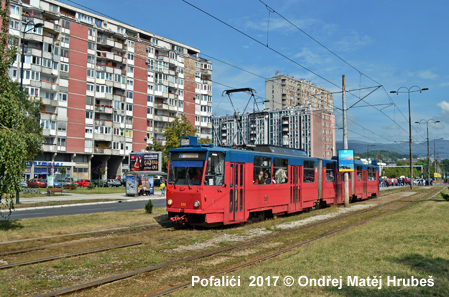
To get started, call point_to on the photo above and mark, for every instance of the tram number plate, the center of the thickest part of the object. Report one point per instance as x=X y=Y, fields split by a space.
x=183 y=204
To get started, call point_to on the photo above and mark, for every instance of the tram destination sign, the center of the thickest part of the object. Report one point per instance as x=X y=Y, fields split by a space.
x=345 y=160
x=145 y=161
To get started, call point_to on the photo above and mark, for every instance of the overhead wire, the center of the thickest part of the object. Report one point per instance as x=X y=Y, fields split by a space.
x=270 y=11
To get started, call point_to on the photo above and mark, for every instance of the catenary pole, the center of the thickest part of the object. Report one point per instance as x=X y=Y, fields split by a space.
x=345 y=140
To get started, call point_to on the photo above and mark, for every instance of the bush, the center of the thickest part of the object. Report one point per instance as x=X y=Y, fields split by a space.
x=445 y=196
x=149 y=207
x=91 y=186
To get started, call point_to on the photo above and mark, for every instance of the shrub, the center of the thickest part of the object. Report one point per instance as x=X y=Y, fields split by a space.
x=91 y=186
x=445 y=196
x=149 y=207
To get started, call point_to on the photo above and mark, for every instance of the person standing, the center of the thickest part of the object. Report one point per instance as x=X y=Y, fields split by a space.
x=162 y=189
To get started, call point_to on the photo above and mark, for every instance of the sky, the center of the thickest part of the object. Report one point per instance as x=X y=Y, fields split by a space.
x=398 y=45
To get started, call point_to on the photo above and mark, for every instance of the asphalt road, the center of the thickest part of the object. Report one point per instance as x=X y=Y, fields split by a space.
x=83 y=209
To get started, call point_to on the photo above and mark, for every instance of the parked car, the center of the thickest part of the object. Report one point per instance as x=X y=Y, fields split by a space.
x=68 y=183
x=36 y=183
x=83 y=183
x=100 y=182
x=112 y=183
x=23 y=184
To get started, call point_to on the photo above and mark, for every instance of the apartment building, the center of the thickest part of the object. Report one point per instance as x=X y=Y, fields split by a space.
x=283 y=91
x=107 y=88
x=309 y=129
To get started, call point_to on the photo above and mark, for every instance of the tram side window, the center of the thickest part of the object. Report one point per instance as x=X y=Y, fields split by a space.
x=359 y=173
x=309 y=171
x=215 y=169
x=330 y=170
x=371 y=174
x=280 y=170
x=262 y=166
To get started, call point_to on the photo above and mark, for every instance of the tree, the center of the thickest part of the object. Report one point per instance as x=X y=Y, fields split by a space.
x=181 y=126
x=20 y=132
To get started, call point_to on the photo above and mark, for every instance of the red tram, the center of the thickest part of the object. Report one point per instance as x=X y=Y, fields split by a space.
x=209 y=185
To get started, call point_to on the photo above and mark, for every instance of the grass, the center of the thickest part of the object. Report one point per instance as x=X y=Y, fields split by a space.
x=49 y=226
x=410 y=243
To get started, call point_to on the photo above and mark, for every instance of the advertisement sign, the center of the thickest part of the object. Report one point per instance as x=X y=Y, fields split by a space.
x=345 y=160
x=131 y=185
x=436 y=174
x=50 y=181
x=145 y=161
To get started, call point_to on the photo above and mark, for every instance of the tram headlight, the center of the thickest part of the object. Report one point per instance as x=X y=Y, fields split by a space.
x=169 y=202
x=196 y=203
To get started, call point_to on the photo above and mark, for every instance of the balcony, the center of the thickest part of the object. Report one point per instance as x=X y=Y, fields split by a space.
x=48 y=147
x=51 y=102
x=105 y=41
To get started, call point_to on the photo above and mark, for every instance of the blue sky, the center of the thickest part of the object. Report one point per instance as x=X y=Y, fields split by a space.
x=390 y=43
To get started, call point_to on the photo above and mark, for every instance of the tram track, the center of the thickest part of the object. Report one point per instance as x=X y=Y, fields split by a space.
x=373 y=209
x=289 y=248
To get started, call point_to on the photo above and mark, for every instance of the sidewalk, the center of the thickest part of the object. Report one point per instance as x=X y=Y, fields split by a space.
x=86 y=197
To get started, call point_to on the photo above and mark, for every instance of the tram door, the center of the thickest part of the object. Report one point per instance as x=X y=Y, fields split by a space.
x=237 y=193
x=295 y=181
x=365 y=180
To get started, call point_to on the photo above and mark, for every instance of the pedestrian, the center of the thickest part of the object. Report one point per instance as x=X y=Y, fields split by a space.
x=162 y=189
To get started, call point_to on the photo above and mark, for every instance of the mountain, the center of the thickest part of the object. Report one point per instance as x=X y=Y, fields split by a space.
x=419 y=149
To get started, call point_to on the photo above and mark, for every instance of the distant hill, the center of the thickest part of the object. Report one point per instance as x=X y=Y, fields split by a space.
x=419 y=149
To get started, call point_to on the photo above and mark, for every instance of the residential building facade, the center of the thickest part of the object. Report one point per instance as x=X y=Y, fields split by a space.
x=283 y=91
x=107 y=88
x=309 y=129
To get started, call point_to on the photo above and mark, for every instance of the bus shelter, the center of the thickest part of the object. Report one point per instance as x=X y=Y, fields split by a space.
x=141 y=182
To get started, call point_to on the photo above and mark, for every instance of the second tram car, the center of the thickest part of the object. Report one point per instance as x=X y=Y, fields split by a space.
x=210 y=185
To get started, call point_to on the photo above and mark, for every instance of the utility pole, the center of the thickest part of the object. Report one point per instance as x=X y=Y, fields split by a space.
x=345 y=140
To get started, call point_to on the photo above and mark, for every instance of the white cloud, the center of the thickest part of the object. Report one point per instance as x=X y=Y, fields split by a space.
x=444 y=106
x=352 y=42
x=424 y=74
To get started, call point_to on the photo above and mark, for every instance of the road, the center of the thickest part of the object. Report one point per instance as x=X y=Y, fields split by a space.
x=86 y=208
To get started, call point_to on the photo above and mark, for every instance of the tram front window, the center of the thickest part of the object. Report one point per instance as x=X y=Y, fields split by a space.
x=191 y=172
x=186 y=175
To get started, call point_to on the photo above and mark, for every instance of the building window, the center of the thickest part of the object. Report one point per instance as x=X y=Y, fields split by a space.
x=89 y=115
x=90 y=73
x=65 y=24
x=62 y=96
x=91 y=32
x=91 y=45
x=64 y=67
x=14 y=9
x=64 y=53
x=129 y=94
x=61 y=141
x=13 y=24
x=149 y=98
x=65 y=38
x=131 y=56
x=90 y=59
x=90 y=87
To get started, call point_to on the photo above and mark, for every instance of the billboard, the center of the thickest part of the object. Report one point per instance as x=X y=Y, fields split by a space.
x=345 y=160
x=145 y=161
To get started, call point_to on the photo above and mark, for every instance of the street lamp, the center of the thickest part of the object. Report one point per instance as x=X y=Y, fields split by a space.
x=22 y=60
x=410 y=90
x=434 y=153
x=428 y=154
